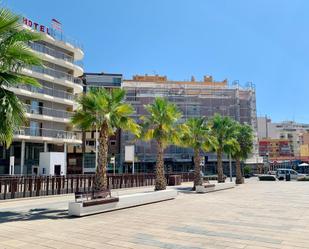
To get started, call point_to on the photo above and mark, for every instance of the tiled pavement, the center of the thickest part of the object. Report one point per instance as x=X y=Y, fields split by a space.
x=254 y=215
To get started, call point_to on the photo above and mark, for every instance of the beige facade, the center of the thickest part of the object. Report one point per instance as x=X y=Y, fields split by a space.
x=304 y=150
x=304 y=138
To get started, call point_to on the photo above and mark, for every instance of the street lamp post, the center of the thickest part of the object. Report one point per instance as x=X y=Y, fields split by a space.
x=96 y=143
x=267 y=161
x=231 y=172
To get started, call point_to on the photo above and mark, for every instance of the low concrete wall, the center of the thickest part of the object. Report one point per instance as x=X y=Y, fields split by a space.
x=217 y=187
x=125 y=201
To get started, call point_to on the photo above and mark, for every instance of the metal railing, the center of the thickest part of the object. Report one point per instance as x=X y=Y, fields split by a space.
x=53 y=52
x=30 y=186
x=64 y=38
x=42 y=132
x=56 y=73
x=47 y=90
x=48 y=111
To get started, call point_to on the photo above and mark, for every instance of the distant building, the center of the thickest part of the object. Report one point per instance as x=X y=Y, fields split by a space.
x=289 y=130
x=304 y=147
x=77 y=163
x=275 y=149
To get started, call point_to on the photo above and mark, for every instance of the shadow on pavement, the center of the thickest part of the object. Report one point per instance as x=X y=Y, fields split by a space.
x=34 y=214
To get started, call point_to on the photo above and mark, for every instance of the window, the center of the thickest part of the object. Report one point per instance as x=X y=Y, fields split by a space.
x=90 y=143
x=72 y=161
x=34 y=106
x=34 y=128
x=116 y=80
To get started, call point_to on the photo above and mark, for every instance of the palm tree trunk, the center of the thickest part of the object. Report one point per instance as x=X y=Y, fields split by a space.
x=100 y=181
x=219 y=166
x=160 y=178
x=197 y=168
x=239 y=178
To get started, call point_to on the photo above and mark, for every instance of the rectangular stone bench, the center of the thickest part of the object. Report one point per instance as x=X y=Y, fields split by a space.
x=125 y=201
x=214 y=187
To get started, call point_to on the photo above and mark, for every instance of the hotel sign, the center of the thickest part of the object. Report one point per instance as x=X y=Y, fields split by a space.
x=36 y=26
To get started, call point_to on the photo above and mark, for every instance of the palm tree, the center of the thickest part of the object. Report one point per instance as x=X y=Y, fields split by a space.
x=196 y=135
x=106 y=111
x=160 y=125
x=244 y=137
x=223 y=129
x=14 y=55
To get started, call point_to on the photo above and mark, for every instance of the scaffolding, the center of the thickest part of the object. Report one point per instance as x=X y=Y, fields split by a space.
x=194 y=99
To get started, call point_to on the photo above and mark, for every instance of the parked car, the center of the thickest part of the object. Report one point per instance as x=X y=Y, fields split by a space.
x=294 y=175
x=267 y=178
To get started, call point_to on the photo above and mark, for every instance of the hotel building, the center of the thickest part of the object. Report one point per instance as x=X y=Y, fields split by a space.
x=49 y=107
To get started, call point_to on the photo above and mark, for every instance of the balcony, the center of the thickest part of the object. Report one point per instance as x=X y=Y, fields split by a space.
x=49 y=112
x=48 y=91
x=57 y=74
x=50 y=133
x=53 y=52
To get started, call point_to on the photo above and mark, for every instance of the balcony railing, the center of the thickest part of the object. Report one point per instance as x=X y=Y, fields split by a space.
x=53 y=52
x=48 y=91
x=64 y=38
x=42 y=132
x=48 y=111
x=56 y=74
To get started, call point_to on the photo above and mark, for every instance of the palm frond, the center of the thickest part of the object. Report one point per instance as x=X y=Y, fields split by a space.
x=14 y=55
x=12 y=113
x=244 y=138
x=161 y=122
x=100 y=106
x=8 y=20
x=9 y=79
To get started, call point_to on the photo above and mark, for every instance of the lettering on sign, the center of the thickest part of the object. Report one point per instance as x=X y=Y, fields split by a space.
x=36 y=26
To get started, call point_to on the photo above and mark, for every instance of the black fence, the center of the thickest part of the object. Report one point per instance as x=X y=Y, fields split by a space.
x=31 y=186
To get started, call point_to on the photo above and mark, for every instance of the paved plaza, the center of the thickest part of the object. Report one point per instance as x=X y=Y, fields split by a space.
x=254 y=215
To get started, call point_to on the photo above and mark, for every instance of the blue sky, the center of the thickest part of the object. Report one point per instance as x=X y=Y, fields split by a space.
x=263 y=41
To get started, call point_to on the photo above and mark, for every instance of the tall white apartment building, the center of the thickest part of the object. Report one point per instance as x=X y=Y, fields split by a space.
x=50 y=107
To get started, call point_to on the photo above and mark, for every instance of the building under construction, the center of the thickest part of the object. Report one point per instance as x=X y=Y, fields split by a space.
x=194 y=99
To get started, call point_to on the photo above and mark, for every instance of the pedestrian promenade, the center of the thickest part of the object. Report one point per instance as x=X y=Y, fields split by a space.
x=253 y=215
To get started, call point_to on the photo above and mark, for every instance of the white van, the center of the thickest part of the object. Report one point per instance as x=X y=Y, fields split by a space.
x=281 y=173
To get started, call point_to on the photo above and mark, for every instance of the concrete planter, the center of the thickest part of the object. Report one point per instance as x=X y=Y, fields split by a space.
x=216 y=187
x=125 y=201
x=204 y=189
